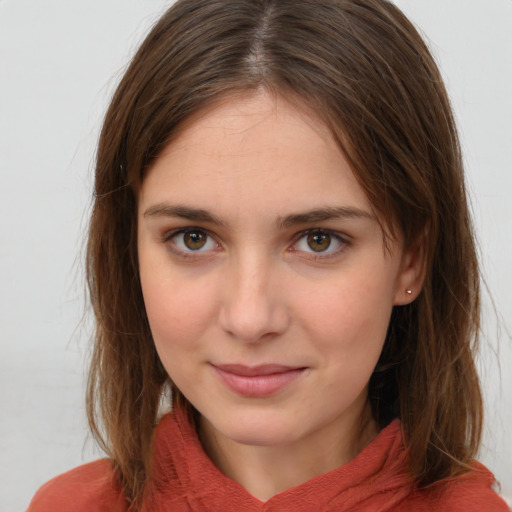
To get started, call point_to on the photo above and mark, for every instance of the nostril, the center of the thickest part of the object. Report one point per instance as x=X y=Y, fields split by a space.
x=255 y=321
x=253 y=308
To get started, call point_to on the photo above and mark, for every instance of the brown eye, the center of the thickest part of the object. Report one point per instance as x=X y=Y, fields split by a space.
x=195 y=240
x=318 y=241
x=189 y=240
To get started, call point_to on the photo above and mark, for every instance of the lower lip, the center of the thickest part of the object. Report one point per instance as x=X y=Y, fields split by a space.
x=258 y=385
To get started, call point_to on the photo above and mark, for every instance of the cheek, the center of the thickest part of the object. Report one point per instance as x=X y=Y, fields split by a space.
x=174 y=311
x=178 y=307
x=350 y=316
x=177 y=317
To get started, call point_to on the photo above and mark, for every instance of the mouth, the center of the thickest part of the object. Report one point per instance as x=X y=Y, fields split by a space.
x=257 y=381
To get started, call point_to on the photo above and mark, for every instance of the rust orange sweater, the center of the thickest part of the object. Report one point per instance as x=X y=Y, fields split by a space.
x=185 y=480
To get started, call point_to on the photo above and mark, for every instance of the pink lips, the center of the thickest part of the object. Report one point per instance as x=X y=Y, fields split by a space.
x=257 y=381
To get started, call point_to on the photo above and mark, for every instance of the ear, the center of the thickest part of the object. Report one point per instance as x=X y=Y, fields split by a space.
x=412 y=272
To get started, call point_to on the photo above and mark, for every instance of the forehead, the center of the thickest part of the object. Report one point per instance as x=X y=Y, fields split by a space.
x=254 y=148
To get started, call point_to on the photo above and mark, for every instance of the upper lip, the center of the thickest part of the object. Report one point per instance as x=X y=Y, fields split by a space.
x=253 y=371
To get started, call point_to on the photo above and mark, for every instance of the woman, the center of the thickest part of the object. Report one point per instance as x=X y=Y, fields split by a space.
x=280 y=252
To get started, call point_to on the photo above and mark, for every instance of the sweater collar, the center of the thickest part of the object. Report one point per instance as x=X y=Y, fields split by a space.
x=183 y=474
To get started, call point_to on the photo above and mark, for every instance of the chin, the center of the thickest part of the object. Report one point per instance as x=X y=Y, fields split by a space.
x=255 y=429
x=253 y=437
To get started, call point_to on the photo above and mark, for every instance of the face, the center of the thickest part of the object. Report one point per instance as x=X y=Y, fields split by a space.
x=266 y=282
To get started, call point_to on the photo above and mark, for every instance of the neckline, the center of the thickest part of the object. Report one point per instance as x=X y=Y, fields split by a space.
x=183 y=469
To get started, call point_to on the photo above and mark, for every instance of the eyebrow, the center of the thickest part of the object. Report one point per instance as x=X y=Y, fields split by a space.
x=184 y=212
x=323 y=214
x=307 y=217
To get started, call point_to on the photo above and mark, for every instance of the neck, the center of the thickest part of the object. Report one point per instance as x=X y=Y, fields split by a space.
x=265 y=471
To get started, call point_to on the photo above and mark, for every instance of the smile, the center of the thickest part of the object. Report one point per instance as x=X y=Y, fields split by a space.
x=259 y=381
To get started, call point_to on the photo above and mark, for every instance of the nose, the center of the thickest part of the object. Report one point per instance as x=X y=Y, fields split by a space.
x=253 y=307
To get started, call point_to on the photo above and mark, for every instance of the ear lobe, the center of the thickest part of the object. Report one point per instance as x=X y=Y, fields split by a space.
x=412 y=274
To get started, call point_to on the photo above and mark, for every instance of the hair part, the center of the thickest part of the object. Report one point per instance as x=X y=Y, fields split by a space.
x=365 y=71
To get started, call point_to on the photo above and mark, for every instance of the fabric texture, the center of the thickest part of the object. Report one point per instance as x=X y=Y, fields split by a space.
x=184 y=479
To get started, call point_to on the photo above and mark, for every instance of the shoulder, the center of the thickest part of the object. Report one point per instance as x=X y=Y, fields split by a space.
x=473 y=492
x=92 y=487
x=470 y=492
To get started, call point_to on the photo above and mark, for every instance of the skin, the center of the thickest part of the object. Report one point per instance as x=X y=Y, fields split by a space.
x=239 y=178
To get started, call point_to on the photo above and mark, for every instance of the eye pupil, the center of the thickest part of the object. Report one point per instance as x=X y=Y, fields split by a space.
x=319 y=242
x=194 y=240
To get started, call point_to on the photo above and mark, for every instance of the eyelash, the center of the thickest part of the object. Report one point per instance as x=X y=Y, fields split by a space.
x=167 y=239
x=343 y=242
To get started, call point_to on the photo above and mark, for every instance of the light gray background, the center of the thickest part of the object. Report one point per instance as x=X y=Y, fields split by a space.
x=59 y=63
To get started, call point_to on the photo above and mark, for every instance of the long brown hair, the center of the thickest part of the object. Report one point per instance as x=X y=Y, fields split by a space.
x=364 y=69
